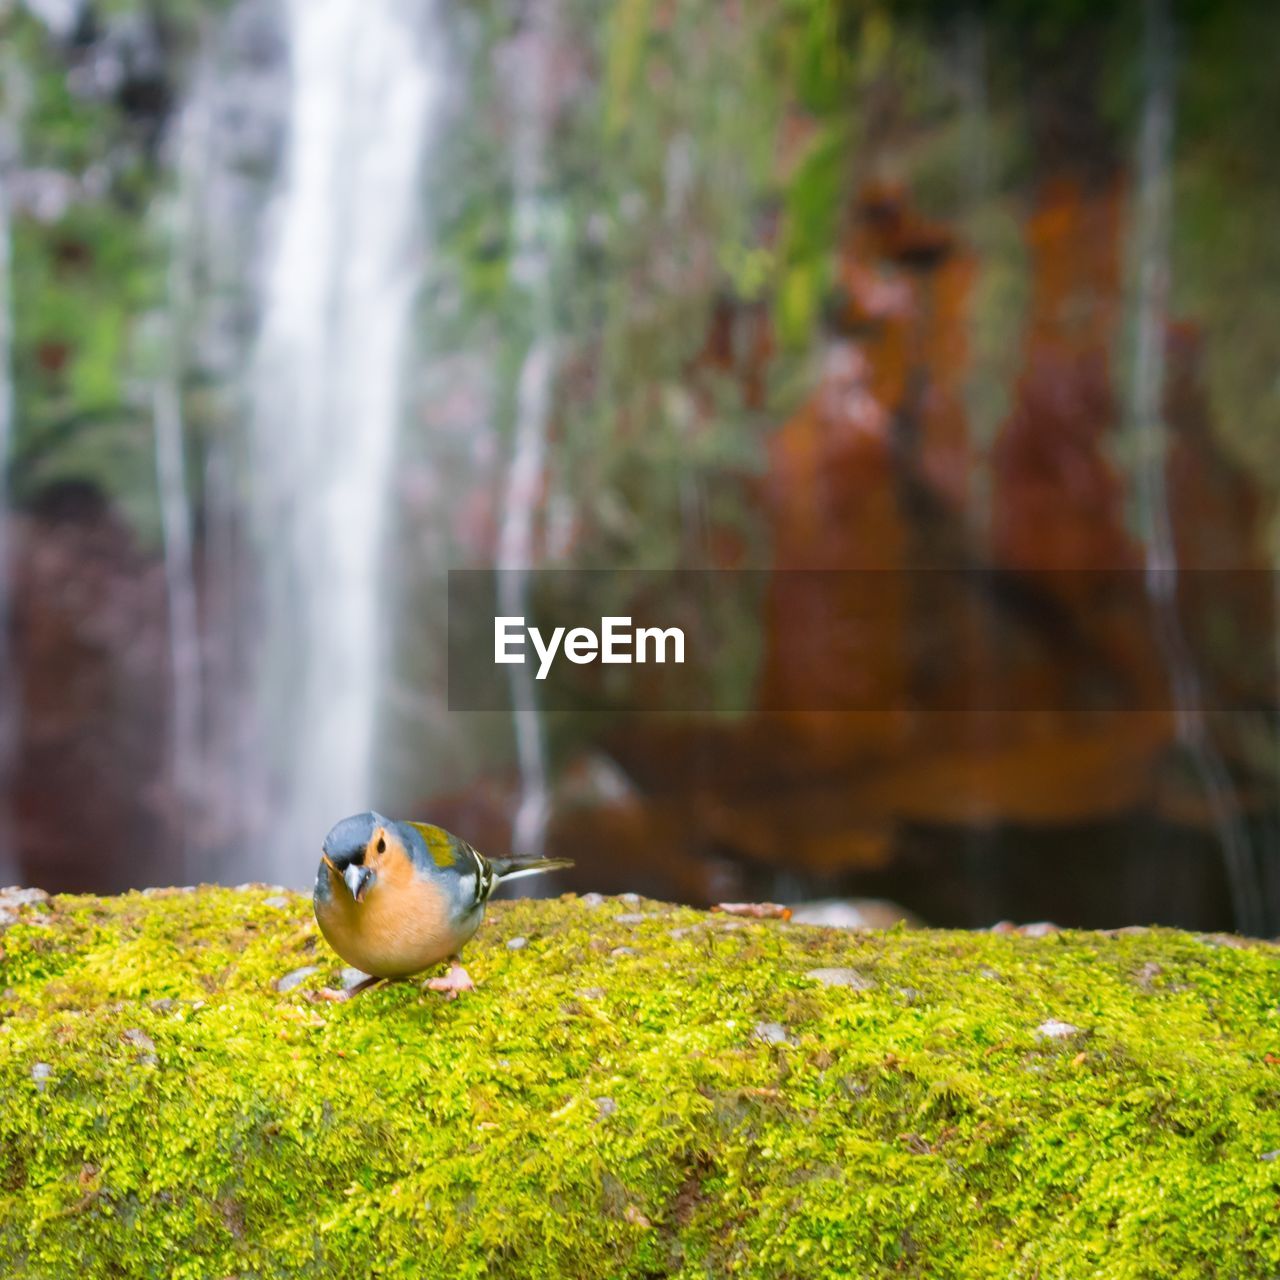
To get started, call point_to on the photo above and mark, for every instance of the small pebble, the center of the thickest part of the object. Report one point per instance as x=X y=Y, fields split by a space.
x=624 y=951
x=140 y=1040
x=1270 y=1155
x=1004 y=926
x=41 y=1073
x=629 y=898
x=841 y=978
x=291 y=980
x=277 y=901
x=592 y=899
x=1052 y=1029
x=607 y=1107
x=165 y=1005
x=517 y=944
x=7 y=917
x=630 y=917
x=591 y=993
x=1040 y=929
x=15 y=896
x=772 y=1033
x=350 y=977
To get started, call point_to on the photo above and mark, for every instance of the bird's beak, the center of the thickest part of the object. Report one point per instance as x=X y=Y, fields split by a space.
x=357 y=879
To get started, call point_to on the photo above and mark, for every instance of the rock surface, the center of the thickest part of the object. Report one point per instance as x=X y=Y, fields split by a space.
x=707 y=1106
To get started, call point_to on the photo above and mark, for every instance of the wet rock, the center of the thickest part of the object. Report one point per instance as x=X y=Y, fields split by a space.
x=841 y=978
x=1223 y=940
x=291 y=980
x=853 y=913
x=348 y=978
x=517 y=944
x=1053 y=1029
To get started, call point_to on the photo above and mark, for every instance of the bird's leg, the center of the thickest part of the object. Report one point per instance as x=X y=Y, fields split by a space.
x=454 y=983
x=336 y=997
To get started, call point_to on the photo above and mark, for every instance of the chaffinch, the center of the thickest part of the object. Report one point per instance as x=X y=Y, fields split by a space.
x=395 y=898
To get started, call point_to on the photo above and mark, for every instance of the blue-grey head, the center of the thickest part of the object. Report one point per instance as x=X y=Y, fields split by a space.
x=354 y=846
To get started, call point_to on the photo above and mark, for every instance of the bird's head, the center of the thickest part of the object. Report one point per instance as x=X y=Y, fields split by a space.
x=354 y=851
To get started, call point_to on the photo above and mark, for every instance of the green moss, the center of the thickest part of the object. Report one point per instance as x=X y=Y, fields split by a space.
x=587 y=1113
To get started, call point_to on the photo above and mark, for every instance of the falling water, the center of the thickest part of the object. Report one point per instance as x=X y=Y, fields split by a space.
x=186 y=694
x=1151 y=237
x=532 y=267
x=337 y=302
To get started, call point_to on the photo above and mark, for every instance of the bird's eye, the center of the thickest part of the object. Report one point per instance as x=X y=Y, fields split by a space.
x=382 y=845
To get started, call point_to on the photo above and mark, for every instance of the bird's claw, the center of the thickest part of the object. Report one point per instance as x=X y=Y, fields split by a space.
x=452 y=984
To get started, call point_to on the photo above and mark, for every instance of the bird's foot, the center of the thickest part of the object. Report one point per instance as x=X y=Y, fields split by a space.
x=328 y=995
x=331 y=995
x=452 y=984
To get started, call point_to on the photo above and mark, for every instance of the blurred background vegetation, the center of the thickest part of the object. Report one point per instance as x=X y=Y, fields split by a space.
x=794 y=285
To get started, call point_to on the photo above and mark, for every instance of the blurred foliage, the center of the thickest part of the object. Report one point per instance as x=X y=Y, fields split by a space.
x=669 y=196
x=88 y=264
x=1226 y=255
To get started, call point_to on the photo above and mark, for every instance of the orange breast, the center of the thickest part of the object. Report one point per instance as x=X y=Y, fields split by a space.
x=402 y=927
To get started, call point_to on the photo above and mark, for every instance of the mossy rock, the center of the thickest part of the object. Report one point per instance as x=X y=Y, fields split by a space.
x=637 y=1090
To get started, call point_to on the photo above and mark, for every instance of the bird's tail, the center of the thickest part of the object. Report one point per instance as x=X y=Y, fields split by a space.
x=505 y=869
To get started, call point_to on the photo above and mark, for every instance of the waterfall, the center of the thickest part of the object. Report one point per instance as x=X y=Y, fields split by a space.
x=532 y=268
x=186 y=700
x=1151 y=247
x=336 y=309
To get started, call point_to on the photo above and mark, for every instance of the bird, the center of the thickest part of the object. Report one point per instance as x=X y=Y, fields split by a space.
x=395 y=898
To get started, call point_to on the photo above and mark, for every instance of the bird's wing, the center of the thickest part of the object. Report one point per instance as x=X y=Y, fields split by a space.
x=450 y=852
